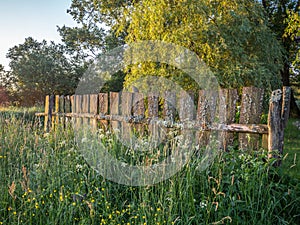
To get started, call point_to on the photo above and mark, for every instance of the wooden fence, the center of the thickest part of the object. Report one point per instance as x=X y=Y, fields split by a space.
x=124 y=110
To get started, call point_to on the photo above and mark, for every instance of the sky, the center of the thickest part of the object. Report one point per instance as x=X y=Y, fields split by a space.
x=38 y=19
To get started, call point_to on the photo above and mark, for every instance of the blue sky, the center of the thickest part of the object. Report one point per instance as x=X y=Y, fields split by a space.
x=20 y=19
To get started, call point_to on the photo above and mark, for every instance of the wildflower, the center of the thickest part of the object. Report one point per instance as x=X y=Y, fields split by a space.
x=9 y=208
x=202 y=205
x=84 y=140
x=15 y=213
x=158 y=209
x=74 y=203
x=78 y=167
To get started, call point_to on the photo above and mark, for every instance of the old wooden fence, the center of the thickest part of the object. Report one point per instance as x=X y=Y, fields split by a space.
x=124 y=110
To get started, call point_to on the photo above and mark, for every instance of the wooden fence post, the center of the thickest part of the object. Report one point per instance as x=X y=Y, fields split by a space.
x=114 y=109
x=103 y=109
x=153 y=129
x=278 y=115
x=206 y=112
x=93 y=103
x=139 y=110
x=250 y=113
x=126 y=107
x=275 y=124
x=47 y=114
x=227 y=112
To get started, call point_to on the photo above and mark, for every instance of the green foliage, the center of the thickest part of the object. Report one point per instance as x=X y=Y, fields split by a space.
x=284 y=22
x=232 y=38
x=40 y=68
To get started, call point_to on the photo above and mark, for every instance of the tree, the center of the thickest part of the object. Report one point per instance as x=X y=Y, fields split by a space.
x=284 y=21
x=40 y=68
x=4 y=85
x=93 y=36
x=231 y=37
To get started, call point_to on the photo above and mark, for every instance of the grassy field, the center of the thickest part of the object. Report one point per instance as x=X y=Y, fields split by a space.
x=44 y=180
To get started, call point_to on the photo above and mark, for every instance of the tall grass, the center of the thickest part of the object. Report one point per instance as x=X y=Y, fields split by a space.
x=44 y=180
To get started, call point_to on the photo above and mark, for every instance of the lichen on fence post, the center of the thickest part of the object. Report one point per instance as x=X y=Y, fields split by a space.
x=93 y=104
x=114 y=98
x=103 y=108
x=126 y=107
x=154 y=131
x=227 y=114
x=139 y=110
x=206 y=110
x=250 y=113
x=275 y=124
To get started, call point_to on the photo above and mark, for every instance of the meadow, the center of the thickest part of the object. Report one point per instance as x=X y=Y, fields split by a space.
x=44 y=180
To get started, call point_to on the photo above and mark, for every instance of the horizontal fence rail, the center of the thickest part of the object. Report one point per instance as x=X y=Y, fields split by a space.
x=235 y=119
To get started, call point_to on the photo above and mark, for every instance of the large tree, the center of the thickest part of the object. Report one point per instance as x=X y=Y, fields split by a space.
x=231 y=37
x=42 y=68
x=94 y=35
x=284 y=21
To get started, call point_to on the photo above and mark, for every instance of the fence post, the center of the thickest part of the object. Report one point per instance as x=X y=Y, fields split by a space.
x=103 y=108
x=154 y=131
x=250 y=113
x=114 y=108
x=278 y=116
x=139 y=110
x=275 y=124
x=47 y=110
x=126 y=106
x=206 y=112
x=93 y=104
x=227 y=112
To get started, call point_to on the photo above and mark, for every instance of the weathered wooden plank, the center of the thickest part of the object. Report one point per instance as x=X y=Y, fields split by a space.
x=153 y=129
x=93 y=109
x=103 y=108
x=186 y=115
x=61 y=120
x=186 y=106
x=250 y=113
x=170 y=106
x=115 y=109
x=55 y=119
x=206 y=110
x=78 y=109
x=169 y=111
x=227 y=112
x=139 y=111
x=46 y=120
x=126 y=108
x=275 y=125
x=73 y=108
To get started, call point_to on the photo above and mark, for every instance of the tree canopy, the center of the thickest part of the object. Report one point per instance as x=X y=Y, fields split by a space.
x=40 y=68
x=232 y=38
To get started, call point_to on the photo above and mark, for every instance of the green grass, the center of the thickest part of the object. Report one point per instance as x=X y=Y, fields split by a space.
x=291 y=164
x=45 y=181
